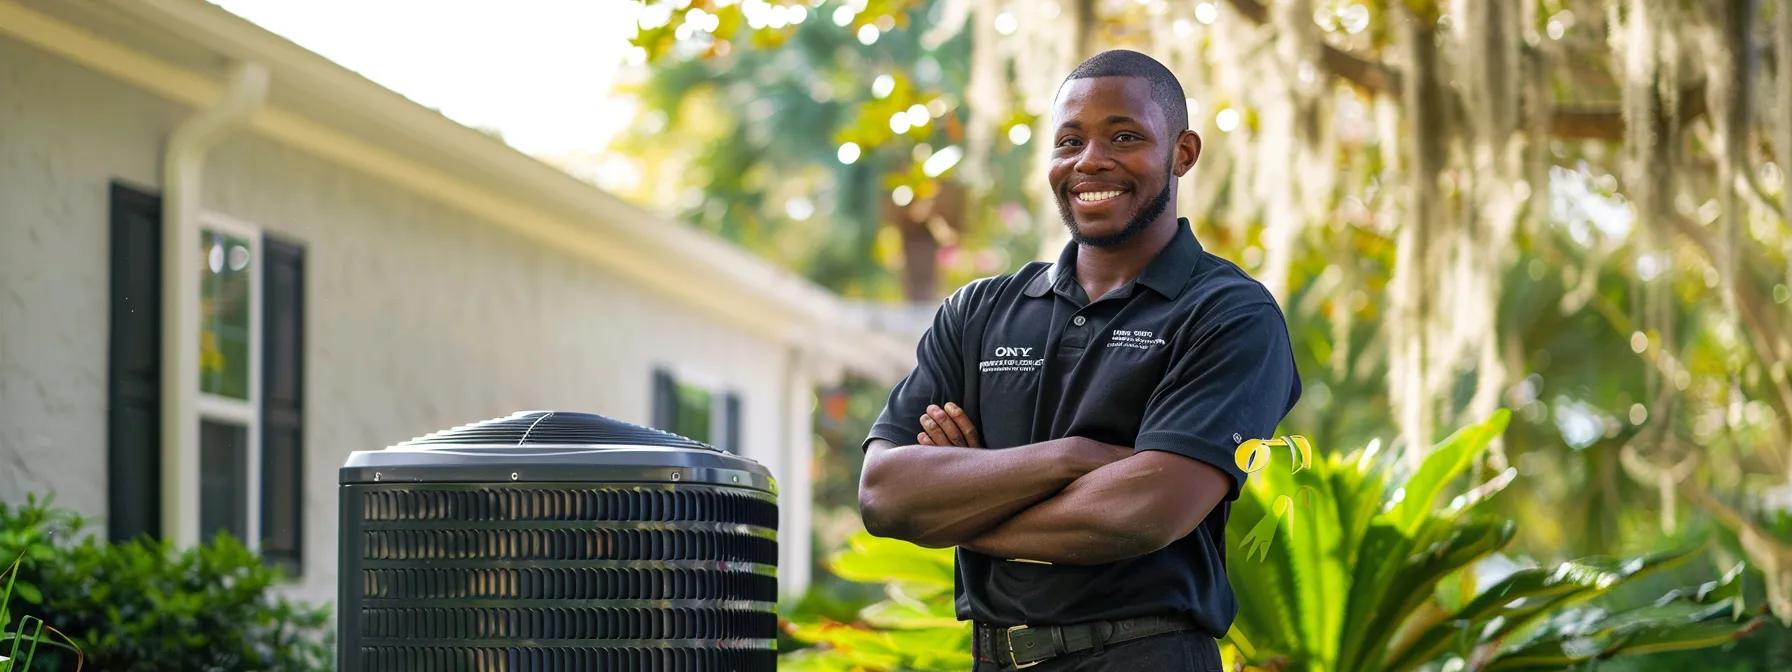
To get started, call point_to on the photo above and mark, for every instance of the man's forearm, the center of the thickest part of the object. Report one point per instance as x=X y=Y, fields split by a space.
x=1084 y=524
x=942 y=495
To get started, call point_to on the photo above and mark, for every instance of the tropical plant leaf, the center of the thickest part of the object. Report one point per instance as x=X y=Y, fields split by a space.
x=1445 y=462
x=1594 y=578
x=1527 y=595
x=1416 y=579
x=860 y=646
x=920 y=649
x=895 y=614
x=880 y=560
x=813 y=660
x=1383 y=553
x=1636 y=638
x=1525 y=584
x=1313 y=541
x=1358 y=493
x=1266 y=588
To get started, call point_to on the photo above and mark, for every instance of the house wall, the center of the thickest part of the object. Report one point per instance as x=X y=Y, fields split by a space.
x=64 y=135
x=418 y=316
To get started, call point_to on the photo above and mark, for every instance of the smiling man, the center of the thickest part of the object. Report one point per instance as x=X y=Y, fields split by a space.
x=1071 y=427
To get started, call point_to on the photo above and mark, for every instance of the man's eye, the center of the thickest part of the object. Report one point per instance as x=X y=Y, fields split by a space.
x=1070 y=142
x=1123 y=137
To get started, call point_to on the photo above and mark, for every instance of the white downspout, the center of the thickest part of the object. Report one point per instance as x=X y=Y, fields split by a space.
x=182 y=178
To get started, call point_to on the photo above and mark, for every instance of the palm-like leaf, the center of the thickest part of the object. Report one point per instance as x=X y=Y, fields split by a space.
x=1386 y=555
x=1526 y=596
x=879 y=560
x=1441 y=466
x=1680 y=620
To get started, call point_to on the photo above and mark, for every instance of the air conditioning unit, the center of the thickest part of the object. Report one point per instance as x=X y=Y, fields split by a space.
x=550 y=540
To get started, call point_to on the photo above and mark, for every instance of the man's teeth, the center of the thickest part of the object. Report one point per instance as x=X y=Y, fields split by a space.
x=1096 y=196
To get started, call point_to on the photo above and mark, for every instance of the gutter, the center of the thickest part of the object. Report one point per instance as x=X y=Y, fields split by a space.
x=183 y=176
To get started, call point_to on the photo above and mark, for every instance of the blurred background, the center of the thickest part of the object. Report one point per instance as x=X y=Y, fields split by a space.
x=733 y=218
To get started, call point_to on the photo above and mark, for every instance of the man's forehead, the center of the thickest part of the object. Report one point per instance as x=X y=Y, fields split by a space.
x=1093 y=99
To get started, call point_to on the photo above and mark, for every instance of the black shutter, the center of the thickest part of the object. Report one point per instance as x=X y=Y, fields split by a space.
x=282 y=404
x=134 y=368
x=665 y=400
x=731 y=423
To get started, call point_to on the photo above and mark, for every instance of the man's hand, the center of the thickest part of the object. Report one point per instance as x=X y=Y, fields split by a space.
x=948 y=426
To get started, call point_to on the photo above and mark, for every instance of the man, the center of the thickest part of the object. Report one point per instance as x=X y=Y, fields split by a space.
x=1071 y=428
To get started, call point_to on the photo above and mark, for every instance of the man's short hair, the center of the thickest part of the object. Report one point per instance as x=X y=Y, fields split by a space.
x=1125 y=63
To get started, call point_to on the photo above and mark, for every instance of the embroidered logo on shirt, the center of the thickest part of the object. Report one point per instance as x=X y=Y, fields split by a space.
x=1011 y=358
x=1138 y=339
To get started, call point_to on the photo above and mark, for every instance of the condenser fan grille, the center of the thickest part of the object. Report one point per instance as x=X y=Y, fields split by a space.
x=534 y=576
x=560 y=659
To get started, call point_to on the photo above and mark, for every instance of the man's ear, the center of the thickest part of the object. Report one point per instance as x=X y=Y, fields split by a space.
x=1188 y=151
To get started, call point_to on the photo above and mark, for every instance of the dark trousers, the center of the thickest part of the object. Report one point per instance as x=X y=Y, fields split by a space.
x=1188 y=650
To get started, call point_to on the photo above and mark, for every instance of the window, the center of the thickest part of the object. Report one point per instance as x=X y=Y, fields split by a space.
x=225 y=304
x=229 y=420
x=251 y=389
x=251 y=381
x=691 y=410
x=223 y=473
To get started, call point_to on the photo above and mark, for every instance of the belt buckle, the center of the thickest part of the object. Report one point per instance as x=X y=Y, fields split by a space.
x=1011 y=657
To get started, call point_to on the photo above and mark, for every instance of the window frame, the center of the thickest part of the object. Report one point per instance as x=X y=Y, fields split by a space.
x=243 y=412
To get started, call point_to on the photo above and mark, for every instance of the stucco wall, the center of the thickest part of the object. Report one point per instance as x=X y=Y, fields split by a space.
x=65 y=133
x=419 y=317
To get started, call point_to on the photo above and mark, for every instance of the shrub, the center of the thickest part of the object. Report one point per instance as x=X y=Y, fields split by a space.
x=145 y=605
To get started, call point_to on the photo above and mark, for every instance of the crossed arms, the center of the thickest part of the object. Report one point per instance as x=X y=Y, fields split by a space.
x=1072 y=501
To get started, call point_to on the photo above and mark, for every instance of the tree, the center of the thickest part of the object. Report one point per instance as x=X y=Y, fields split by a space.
x=828 y=136
x=1573 y=208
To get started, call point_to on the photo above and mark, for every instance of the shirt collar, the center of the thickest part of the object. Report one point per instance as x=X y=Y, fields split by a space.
x=1167 y=274
x=1056 y=274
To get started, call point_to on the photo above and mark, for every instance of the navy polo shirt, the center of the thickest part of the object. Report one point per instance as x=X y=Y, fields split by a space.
x=1192 y=357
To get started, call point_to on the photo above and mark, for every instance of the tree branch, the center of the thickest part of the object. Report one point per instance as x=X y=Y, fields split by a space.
x=1377 y=78
x=1764 y=330
x=1372 y=76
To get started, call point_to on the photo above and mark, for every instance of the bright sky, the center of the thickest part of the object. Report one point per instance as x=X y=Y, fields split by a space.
x=537 y=71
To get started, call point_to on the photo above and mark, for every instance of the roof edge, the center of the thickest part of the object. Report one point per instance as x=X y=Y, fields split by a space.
x=492 y=180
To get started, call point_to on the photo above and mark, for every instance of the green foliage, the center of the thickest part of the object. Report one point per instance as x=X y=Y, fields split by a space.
x=1403 y=564
x=28 y=634
x=145 y=605
x=914 y=628
x=21 y=641
x=741 y=122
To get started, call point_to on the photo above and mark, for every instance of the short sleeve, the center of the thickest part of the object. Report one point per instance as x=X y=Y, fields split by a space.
x=938 y=376
x=1235 y=382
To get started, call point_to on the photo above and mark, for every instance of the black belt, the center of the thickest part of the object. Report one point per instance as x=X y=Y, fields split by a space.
x=1025 y=646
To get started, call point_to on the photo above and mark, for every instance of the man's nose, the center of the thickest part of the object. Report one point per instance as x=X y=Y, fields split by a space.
x=1095 y=159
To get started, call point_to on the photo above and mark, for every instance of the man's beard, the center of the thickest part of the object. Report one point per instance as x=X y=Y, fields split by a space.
x=1139 y=221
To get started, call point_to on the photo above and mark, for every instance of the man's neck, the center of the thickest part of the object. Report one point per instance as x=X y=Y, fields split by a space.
x=1103 y=269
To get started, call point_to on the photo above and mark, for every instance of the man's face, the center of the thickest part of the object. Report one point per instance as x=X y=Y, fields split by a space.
x=1112 y=162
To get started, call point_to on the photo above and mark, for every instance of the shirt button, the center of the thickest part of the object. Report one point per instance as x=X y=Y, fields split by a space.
x=1079 y=320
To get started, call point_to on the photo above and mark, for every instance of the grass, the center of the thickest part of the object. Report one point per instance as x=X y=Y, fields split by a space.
x=30 y=631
